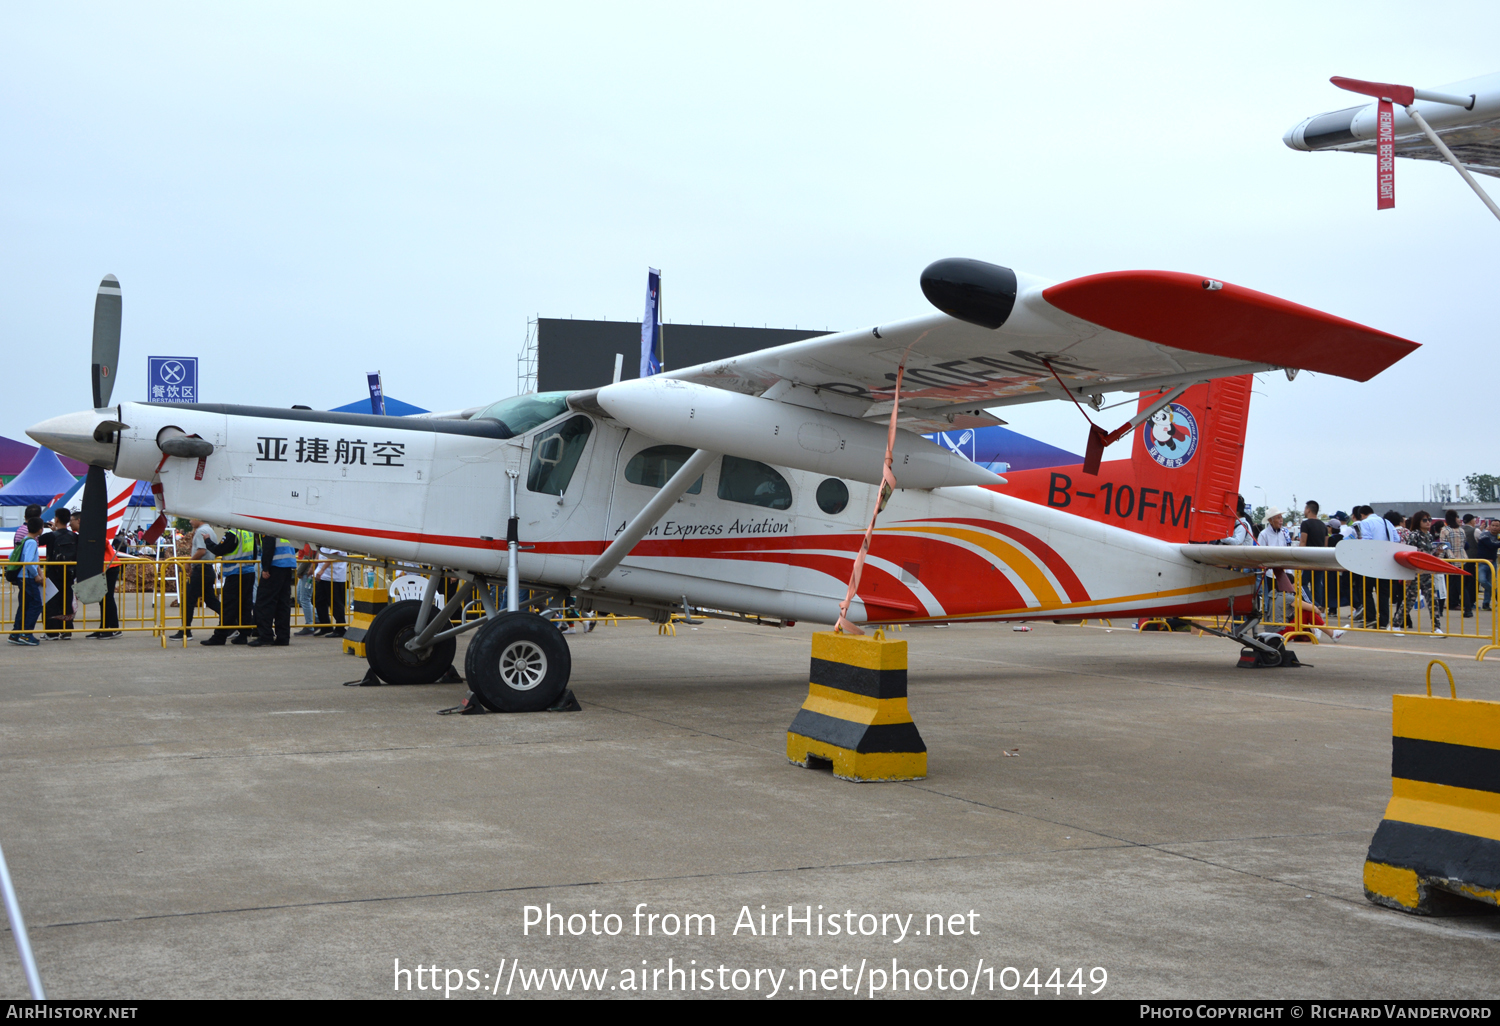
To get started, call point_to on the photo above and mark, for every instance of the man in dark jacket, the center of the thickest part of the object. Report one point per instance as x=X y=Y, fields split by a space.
x=236 y=604
x=62 y=547
x=273 y=596
x=1471 y=551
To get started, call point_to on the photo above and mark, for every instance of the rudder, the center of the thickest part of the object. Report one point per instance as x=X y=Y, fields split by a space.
x=1228 y=410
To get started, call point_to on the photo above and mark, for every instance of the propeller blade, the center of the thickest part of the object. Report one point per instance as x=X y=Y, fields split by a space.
x=92 y=586
x=106 y=339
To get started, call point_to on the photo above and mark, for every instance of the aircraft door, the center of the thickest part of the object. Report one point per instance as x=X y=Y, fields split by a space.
x=556 y=483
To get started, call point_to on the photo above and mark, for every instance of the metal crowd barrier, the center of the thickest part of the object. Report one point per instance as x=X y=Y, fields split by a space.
x=1430 y=606
x=153 y=595
x=136 y=583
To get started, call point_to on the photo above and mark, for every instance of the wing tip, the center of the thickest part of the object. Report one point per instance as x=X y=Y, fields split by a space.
x=1202 y=315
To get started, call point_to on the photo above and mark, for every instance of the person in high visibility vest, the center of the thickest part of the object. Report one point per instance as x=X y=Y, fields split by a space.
x=273 y=600
x=237 y=548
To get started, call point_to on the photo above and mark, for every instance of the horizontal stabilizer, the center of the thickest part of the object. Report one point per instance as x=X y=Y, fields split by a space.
x=1388 y=560
x=1263 y=557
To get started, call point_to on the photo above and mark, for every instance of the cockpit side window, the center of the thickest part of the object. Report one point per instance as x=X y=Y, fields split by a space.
x=747 y=481
x=555 y=453
x=520 y=413
x=655 y=466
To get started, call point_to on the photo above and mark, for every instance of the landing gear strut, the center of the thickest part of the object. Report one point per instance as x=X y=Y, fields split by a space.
x=1262 y=650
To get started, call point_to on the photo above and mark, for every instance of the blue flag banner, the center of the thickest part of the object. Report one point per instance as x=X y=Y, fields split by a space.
x=651 y=325
x=377 y=394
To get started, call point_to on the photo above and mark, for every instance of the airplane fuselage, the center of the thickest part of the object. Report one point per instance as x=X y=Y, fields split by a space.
x=750 y=538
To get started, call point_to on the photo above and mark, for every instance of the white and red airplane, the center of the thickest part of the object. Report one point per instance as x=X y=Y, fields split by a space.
x=742 y=488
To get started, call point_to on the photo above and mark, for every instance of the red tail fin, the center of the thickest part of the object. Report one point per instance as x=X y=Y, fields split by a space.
x=1182 y=476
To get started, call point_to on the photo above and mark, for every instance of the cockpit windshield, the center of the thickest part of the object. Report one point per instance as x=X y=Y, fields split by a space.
x=520 y=413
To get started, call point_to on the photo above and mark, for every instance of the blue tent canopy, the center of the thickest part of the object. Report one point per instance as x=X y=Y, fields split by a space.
x=43 y=478
x=393 y=408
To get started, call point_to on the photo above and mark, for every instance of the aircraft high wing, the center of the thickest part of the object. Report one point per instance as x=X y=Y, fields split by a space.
x=1471 y=131
x=742 y=488
x=1004 y=338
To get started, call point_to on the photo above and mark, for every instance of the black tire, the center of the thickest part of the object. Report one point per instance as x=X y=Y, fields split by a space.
x=386 y=652
x=1277 y=642
x=518 y=662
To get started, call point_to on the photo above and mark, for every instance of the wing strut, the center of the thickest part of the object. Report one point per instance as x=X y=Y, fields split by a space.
x=653 y=511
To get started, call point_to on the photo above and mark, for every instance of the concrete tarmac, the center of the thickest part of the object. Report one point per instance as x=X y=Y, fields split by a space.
x=230 y=822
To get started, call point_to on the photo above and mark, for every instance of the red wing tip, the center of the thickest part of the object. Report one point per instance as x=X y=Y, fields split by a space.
x=1215 y=288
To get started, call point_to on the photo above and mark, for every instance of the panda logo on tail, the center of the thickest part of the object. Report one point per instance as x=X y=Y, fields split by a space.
x=1171 y=436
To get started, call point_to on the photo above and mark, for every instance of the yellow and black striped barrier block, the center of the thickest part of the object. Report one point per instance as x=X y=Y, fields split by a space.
x=855 y=716
x=1441 y=829
x=364 y=606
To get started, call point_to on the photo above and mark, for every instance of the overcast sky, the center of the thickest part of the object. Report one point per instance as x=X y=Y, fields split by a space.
x=297 y=194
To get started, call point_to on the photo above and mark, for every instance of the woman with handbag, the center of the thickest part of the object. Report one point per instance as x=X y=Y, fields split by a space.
x=1419 y=534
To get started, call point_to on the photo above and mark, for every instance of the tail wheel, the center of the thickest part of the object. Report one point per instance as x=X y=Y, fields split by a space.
x=388 y=656
x=1279 y=644
x=518 y=662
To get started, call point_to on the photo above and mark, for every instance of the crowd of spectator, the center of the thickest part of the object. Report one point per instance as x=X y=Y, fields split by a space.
x=43 y=567
x=1378 y=602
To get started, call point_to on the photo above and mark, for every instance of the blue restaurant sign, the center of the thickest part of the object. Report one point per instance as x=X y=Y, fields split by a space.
x=171 y=379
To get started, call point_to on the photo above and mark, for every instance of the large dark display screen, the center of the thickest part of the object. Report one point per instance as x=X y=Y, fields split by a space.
x=574 y=355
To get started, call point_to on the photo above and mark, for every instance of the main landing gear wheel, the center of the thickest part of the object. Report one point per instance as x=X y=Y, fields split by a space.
x=388 y=656
x=518 y=662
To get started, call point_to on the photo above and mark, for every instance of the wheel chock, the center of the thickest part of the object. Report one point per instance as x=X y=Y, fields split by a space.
x=370 y=680
x=855 y=716
x=1441 y=831
x=566 y=702
x=470 y=706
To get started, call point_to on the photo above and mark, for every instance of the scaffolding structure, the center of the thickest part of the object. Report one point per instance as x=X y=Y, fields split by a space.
x=526 y=361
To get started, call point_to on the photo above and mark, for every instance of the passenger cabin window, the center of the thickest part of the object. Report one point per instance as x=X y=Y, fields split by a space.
x=753 y=483
x=655 y=466
x=555 y=453
x=833 y=496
